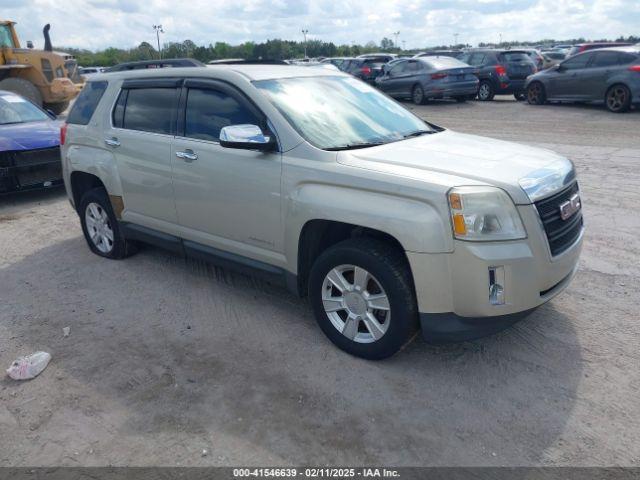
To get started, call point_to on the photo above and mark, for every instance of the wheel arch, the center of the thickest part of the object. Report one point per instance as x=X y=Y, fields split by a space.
x=318 y=235
x=81 y=182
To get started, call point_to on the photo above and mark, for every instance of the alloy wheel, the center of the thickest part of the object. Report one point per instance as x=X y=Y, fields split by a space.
x=356 y=304
x=617 y=98
x=484 y=91
x=534 y=93
x=418 y=95
x=99 y=227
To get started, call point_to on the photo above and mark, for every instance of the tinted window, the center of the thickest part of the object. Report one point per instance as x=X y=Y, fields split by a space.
x=626 y=58
x=397 y=69
x=477 y=59
x=210 y=110
x=86 y=103
x=150 y=109
x=606 y=59
x=515 y=57
x=579 y=61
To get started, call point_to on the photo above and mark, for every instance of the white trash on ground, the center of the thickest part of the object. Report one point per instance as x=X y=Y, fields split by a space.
x=30 y=366
x=66 y=331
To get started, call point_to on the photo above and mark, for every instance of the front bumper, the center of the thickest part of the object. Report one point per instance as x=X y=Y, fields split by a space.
x=453 y=288
x=29 y=170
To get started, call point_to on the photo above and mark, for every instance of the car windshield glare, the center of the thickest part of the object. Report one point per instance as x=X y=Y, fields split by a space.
x=332 y=112
x=15 y=109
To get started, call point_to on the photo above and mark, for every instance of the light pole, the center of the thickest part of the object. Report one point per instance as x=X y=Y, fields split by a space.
x=455 y=39
x=159 y=30
x=500 y=40
x=395 y=34
x=304 y=32
x=404 y=44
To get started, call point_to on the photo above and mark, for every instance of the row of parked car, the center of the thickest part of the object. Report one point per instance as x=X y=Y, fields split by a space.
x=589 y=73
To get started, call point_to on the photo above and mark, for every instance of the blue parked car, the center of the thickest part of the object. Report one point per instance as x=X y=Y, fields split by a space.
x=425 y=78
x=29 y=145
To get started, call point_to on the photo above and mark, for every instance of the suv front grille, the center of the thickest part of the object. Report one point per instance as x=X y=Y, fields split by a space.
x=561 y=234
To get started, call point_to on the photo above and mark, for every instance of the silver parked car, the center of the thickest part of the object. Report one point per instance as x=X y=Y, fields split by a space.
x=314 y=179
x=607 y=75
x=424 y=78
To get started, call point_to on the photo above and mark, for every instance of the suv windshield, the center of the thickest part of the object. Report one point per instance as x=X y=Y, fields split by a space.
x=335 y=113
x=15 y=109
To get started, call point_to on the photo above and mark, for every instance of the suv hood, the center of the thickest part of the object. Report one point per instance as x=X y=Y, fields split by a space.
x=466 y=160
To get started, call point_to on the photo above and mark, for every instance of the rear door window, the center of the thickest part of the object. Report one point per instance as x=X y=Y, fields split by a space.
x=208 y=111
x=606 y=59
x=515 y=57
x=149 y=110
x=86 y=103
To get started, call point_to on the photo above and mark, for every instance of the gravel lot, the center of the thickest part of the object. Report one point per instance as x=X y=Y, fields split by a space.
x=169 y=357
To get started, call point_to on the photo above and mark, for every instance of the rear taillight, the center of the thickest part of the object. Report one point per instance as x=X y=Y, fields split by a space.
x=635 y=68
x=365 y=70
x=63 y=133
x=438 y=76
x=500 y=70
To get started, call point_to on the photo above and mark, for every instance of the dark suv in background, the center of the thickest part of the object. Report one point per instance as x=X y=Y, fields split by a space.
x=501 y=72
x=609 y=75
x=367 y=69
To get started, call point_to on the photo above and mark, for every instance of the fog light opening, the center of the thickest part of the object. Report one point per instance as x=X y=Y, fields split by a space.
x=496 y=285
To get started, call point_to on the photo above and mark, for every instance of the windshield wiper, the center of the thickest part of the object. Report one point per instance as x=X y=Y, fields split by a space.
x=354 y=146
x=418 y=133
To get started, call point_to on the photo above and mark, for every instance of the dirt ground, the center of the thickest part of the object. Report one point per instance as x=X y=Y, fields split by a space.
x=169 y=357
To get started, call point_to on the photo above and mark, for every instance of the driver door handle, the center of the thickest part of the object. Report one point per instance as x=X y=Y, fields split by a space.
x=112 y=142
x=188 y=155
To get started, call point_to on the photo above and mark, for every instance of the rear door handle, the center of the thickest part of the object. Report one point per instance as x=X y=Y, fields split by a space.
x=112 y=142
x=188 y=155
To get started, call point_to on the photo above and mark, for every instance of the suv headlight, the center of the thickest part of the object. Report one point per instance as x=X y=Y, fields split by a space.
x=484 y=214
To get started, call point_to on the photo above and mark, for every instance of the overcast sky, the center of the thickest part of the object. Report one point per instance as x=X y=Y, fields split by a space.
x=96 y=24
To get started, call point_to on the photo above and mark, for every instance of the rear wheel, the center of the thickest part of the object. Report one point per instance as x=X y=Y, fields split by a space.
x=22 y=87
x=485 y=91
x=536 y=94
x=100 y=226
x=417 y=95
x=57 y=108
x=362 y=295
x=618 y=98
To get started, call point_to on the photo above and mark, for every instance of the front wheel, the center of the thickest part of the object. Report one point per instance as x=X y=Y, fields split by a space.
x=536 y=94
x=362 y=295
x=485 y=91
x=618 y=99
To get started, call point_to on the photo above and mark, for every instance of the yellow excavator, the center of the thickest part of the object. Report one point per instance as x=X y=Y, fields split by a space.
x=43 y=76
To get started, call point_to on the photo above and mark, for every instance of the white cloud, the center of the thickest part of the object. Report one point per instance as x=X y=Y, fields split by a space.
x=124 y=23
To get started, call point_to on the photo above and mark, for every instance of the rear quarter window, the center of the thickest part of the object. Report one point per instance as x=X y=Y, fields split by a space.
x=86 y=103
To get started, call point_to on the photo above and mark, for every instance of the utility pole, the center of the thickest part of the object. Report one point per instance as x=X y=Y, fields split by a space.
x=159 y=30
x=304 y=32
x=395 y=34
x=404 y=44
x=455 y=39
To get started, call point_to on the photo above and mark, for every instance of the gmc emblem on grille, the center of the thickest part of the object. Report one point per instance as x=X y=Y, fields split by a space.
x=571 y=206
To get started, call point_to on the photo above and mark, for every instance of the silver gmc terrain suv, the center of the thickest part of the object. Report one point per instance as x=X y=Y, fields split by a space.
x=314 y=179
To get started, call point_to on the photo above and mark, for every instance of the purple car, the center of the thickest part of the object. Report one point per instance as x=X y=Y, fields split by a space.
x=29 y=145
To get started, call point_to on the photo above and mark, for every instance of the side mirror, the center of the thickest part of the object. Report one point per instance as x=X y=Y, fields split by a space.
x=246 y=137
x=29 y=44
x=559 y=68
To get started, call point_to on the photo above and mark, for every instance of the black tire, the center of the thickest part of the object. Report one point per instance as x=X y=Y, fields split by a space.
x=121 y=247
x=520 y=97
x=390 y=269
x=57 y=108
x=461 y=99
x=486 y=91
x=417 y=95
x=22 y=87
x=536 y=94
x=618 y=98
